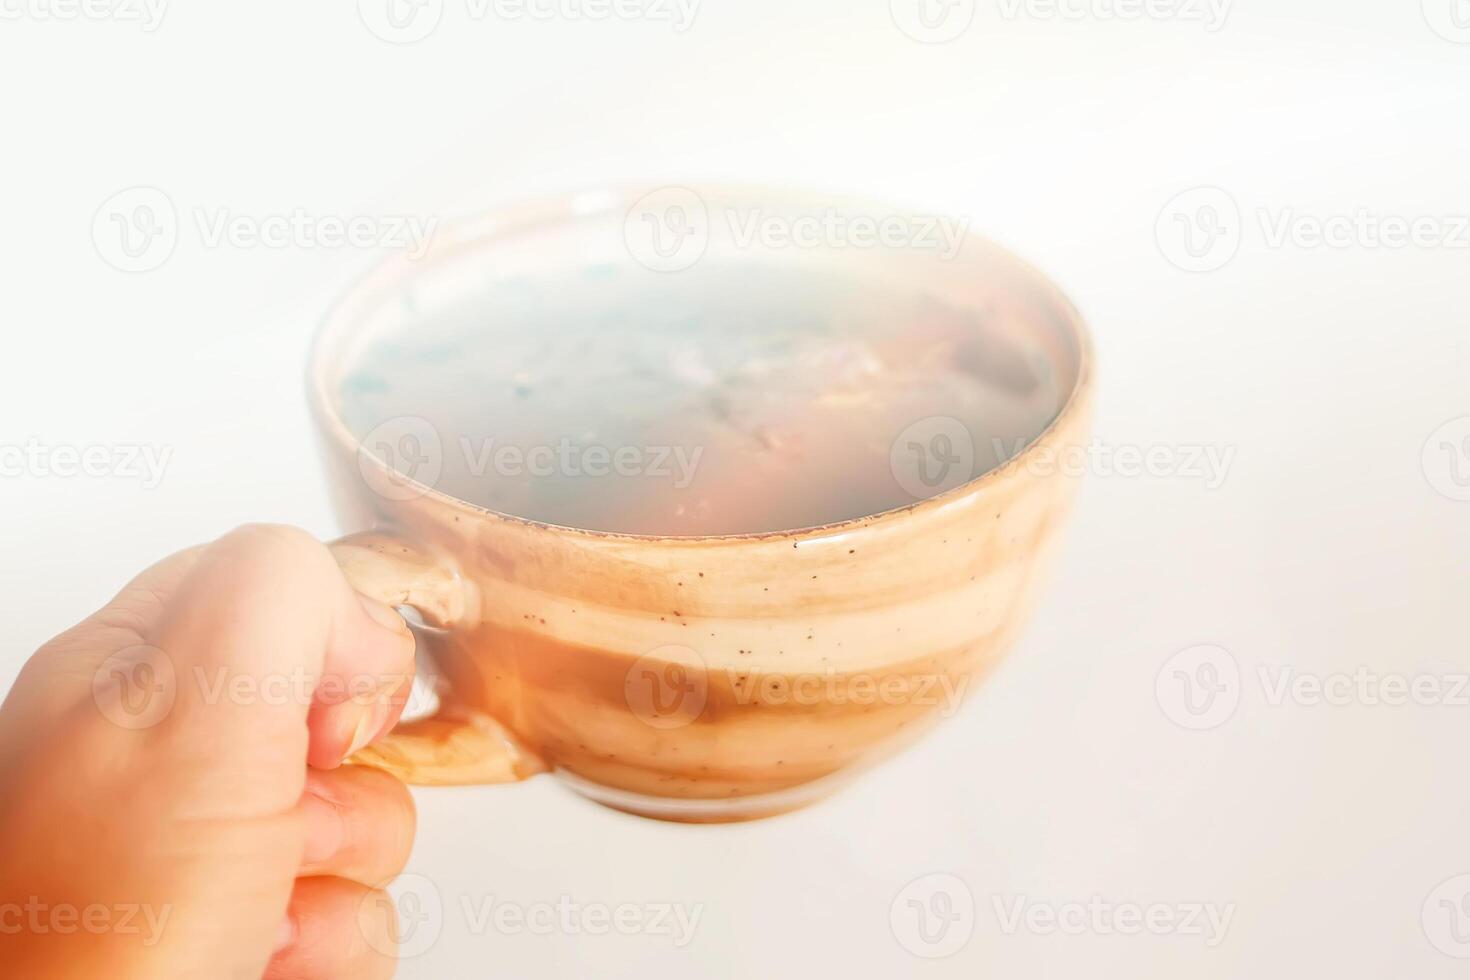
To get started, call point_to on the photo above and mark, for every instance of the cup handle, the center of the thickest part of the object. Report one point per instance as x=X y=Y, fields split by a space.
x=456 y=746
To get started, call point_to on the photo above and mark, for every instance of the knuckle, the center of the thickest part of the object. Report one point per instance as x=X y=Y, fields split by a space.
x=407 y=824
x=273 y=551
x=399 y=818
x=274 y=539
x=133 y=612
x=377 y=922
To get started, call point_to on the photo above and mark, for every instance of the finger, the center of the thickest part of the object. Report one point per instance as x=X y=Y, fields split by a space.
x=122 y=622
x=359 y=824
x=139 y=604
x=337 y=929
x=261 y=617
x=350 y=710
x=58 y=675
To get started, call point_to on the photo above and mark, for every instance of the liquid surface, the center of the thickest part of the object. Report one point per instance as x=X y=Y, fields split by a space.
x=721 y=400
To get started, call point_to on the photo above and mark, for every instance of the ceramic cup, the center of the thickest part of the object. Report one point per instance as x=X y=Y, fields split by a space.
x=695 y=678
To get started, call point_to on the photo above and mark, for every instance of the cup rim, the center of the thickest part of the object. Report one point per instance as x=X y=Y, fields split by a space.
x=501 y=220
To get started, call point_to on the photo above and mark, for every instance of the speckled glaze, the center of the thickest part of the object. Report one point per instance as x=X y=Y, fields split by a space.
x=705 y=679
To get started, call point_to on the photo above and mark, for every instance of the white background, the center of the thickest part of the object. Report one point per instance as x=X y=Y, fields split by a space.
x=1328 y=547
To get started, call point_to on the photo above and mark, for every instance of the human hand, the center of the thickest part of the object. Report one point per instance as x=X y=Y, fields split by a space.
x=171 y=802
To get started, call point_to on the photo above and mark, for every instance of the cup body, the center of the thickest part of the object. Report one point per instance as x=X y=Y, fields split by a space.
x=729 y=677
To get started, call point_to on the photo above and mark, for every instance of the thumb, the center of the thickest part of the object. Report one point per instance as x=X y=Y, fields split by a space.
x=263 y=657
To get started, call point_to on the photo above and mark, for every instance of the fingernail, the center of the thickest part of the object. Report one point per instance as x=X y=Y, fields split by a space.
x=285 y=934
x=383 y=614
x=369 y=723
x=324 y=828
x=366 y=729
